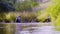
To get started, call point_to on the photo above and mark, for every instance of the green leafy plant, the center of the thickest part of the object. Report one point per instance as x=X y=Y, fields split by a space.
x=27 y=5
x=2 y=17
x=10 y=17
x=54 y=11
x=41 y=16
x=28 y=17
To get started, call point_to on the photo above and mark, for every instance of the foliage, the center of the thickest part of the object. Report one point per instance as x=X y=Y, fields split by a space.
x=2 y=16
x=6 y=6
x=54 y=11
x=26 y=5
x=25 y=17
x=28 y=17
x=10 y=17
x=41 y=16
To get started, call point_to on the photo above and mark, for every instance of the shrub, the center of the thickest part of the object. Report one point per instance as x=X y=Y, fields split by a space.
x=2 y=17
x=54 y=11
x=10 y=17
x=41 y=16
x=28 y=17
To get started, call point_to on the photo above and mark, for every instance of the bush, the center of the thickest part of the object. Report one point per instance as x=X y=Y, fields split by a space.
x=28 y=17
x=25 y=17
x=41 y=16
x=10 y=17
x=54 y=11
x=2 y=17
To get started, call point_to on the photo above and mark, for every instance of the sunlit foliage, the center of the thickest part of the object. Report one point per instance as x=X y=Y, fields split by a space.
x=10 y=17
x=54 y=11
x=41 y=16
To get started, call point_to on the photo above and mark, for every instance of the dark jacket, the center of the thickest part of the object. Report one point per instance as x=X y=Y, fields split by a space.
x=18 y=19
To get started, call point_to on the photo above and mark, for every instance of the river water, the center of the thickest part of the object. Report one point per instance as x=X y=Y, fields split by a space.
x=29 y=28
x=42 y=29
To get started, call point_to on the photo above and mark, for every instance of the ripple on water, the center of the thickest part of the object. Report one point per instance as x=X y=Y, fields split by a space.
x=39 y=30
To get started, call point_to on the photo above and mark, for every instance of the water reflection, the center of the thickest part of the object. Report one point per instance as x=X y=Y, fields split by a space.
x=29 y=29
x=39 y=30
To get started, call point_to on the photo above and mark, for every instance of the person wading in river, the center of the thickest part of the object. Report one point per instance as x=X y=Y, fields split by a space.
x=18 y=19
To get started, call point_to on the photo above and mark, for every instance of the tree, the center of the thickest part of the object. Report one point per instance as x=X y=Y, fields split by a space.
x=54 y=11
x=26 y=5
x=6 y=6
